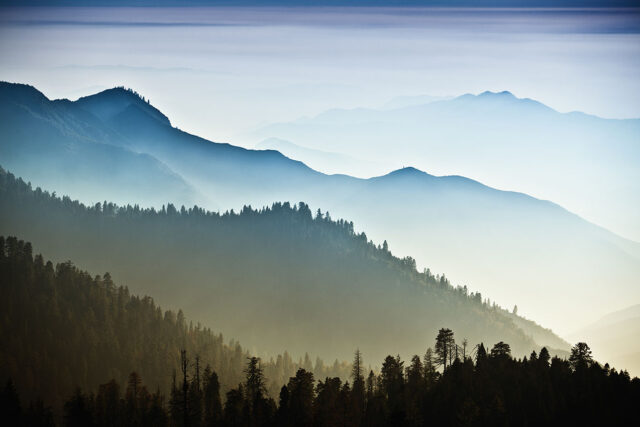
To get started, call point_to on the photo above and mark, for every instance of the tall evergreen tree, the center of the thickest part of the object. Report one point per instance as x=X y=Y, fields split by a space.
x=301 y=395
x=211 y=399
x=544 y=357
x=445 y=347
x=358 y=390
x=580 y=357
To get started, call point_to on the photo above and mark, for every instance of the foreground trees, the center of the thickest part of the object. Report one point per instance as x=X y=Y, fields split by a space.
x=493 y=389
x=61 y=326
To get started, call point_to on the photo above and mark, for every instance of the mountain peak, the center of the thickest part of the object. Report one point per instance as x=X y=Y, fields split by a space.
x=503 y=99
x=408 y=171
x=123 y=91
x=109 y=103
x=505 y=94
x=20 y=91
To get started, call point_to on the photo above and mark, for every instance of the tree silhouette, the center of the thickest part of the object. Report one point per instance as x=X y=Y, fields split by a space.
x=301 y=395
x=392 y=382
x=358 y=390
x=544 y=357
x=254 y=386
x=501 y=350
x=580 y=357
x=444 y=347
x=497 y=390
x=429 y=366
x=211 y=398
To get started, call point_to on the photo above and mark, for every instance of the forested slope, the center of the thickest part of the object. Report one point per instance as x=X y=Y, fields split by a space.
x=62 y=328
x=115 y=146
x=63 y=331
x=277 y=278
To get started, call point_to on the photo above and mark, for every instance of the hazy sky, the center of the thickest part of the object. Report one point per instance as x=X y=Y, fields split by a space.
x=221 y=72
x=217 y=72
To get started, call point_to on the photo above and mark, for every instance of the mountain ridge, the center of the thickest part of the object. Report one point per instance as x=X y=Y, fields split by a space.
x=478 y=234
x=101 y=104
x=496 y=138
x=86 y=103
x=213 y=281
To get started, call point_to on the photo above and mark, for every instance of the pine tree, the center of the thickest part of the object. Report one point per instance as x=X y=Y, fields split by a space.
x=358 y=390
x=580 y=357
x=544 y=357
x=211 y=399
x=429 y=366
x=445 y=347
x=481 y=355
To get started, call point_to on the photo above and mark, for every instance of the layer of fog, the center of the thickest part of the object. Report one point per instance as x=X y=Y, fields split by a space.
x=220 y=72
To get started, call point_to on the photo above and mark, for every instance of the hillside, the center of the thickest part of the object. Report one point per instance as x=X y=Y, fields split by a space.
x=70 y=149
x=66 y=334
x=277 y=277
x=62 y=328
x=479 y=236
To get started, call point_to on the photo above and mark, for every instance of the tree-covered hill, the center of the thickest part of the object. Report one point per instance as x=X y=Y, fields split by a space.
x=277 y=278
x=64 y=331
x=62 y=328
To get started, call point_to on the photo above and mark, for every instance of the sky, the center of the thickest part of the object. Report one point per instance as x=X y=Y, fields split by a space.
x=222 y=72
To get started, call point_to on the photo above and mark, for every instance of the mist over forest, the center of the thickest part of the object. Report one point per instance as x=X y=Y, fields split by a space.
x=287 y=213
x=251 y=273
x=115 y=146
x=110 y=331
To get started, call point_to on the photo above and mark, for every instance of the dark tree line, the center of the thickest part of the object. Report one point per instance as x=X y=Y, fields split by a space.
x=63 y=330
x=489 y=389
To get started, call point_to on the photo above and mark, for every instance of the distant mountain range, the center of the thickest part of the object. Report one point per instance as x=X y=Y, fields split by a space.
x=326 y=161
x=512 y=247
x=586 y=163
x=614 y=338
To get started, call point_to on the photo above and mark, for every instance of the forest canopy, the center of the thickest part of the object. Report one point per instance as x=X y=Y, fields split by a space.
x=63 y=330
x=276 y=277
x=79 y=350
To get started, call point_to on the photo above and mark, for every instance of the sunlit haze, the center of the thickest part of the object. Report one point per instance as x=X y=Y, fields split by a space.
x=236 y=206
